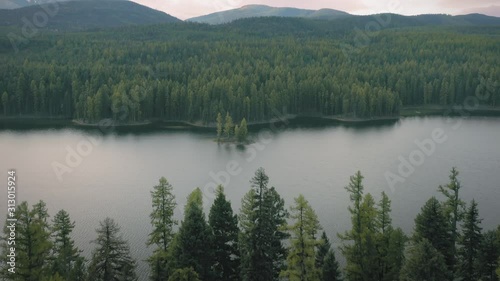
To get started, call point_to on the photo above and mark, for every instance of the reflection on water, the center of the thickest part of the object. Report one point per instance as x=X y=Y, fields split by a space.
x=116 y=173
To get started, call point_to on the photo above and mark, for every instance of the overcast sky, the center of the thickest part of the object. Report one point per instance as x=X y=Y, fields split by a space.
x=184 y=9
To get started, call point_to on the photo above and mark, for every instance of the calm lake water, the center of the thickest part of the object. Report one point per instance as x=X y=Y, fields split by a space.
x=118 y=171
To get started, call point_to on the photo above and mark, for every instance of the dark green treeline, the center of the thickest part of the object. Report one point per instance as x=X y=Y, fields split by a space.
x=193 y=72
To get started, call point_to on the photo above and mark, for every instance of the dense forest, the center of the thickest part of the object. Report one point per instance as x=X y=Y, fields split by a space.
x=266 y=241
x=253 y=69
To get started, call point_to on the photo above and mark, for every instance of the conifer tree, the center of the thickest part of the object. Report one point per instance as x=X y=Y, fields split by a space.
x=67 y=260
x=184 y=274
x=360 y=249
x=432 y=224
x=301 y=260
x=330 y=270
x=454 y=209
x=242 y=131
x=225 y=230
x=219 y=126
x=193 y=244
x=424 y=262
x=32 y=243
x=111 y=258
x=228 y=126
x=470 y=243
x=162 y=220
x=489 y=255
x=322 y=250
x=263 y=220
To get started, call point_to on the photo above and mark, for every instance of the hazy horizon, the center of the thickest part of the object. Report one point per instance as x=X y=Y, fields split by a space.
x=192 y=8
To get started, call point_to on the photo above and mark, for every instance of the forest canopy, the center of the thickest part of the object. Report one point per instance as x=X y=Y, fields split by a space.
x=192 y=72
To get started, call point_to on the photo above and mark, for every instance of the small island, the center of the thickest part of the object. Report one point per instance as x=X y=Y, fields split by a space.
x=228 y=132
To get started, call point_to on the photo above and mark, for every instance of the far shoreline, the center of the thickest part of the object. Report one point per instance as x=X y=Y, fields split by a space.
x=416 y=111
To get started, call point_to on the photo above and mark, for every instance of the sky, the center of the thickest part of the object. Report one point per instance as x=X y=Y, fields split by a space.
x=185 y=9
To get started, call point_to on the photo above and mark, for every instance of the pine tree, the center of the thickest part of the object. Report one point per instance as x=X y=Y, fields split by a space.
x=219 y=126
x=242 y=131
x=32 y=243
x=229 y=126
x=432 y=224
x=424 y=263
x=301 y=260
x=225 y=230
x=111 y=258
x=263 y=220
x=193 y=244
x=330 y=271
x=384 y=224
x=395 y=254
x=489 y=255
x=66 y=255
x=322 y=250
x=163 y=202
x=360 y=249
x=470 y=243
x=454 y=211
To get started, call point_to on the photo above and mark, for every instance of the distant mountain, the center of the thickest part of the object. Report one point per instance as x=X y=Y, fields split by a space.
x=252 y=11
x=16 y=4
x=352 y=25
x=87 y=14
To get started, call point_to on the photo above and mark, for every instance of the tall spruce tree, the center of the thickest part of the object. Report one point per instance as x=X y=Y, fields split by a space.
x=228 y=126
x=454 y=209
x=330 y=270
x=263 y=220
x=470 y=243
x=32 y=244
x=395 y=254
x=489 y=255
x=163 y=201
x=432 y=224
x=326 y=261
x=111 y=260
x=193 y=244
x=360 y=247
x=322 y=250
x=225 y=230
x=67 y=261
x=424 y=262
x=301 y=260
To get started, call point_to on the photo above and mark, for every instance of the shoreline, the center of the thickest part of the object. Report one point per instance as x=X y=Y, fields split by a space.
x=417 y=111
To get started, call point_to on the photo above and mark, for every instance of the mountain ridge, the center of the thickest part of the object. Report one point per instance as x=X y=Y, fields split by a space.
x=251 y=11
x=87 y=14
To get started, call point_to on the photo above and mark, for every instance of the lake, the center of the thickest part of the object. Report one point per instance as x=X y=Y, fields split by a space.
x=112 y=174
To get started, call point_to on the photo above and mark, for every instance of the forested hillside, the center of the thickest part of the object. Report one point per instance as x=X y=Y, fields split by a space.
x=267 y=240
x=252 y=68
